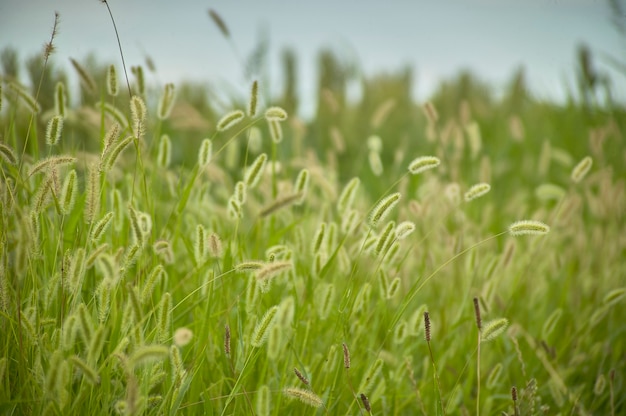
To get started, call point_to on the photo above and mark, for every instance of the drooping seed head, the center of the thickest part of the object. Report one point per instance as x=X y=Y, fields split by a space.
x=528 y=227
x=423 y=163
x=383 y=208
x=493 y=329
x=476 y=191
x=275 y=114
x=229 y=120
x=305 y=396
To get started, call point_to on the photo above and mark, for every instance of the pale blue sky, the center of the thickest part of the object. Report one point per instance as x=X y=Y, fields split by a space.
x=437 y=38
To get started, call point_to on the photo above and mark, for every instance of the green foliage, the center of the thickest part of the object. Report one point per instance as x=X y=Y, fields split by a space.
x=120 y=269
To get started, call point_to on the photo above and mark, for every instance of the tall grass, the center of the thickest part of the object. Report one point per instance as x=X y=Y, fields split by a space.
x=144 y=274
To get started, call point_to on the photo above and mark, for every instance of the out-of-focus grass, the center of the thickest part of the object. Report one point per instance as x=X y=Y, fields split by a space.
x=134 y=319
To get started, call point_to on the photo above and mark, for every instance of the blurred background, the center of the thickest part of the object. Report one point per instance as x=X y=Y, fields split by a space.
x=428 y=41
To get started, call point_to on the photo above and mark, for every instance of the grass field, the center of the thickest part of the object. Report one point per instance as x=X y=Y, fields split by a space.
x=161 y=254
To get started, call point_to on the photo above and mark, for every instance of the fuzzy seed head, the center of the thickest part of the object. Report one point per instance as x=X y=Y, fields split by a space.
x=383 y=208
x=60 y=99
x=166 y=103
x=479 y=321
x=366 y=403
x=262 y=329
x=423 y=163
x=112 y=84
x=254 y=93
x=404 y=229
x=53 y=131
x=254 y=171
x=276 y=131
x=227 y=339
x=346 y=198
x=302 y=185
x=476 y=191
x=493 y=329
x=581 y=169
x=138 y=116
x=275 y=114
x=229 y=120
x=69 y=192
x=305 y=396
x=301 y=376
x=205 y=153
x=427 y=326
x=164 y=155
x=182 y=336
x=8 y=154
x=217 y=19
x=346 y=356
x=528 y=227
x=376 y=164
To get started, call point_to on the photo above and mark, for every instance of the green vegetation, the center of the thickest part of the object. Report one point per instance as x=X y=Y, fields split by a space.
x=160 y=254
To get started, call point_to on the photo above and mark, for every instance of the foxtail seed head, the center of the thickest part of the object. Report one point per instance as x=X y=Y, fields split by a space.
x=427 y=326
x=53 y=131
x=227 y=339
x=275 y=114
x=305 y=396
x=581 y=169
x=366 y=403
x=164 y=155
x=346 y=198
x=85 y=77
x=112 y=85
x=59 y=99
x=528 y=227
x=476 y=191
x=230 y=120
x=479 y=322
x=301 y=376
x=166 y=103
x=138 y=116
x=423 y=163
x=302 y=185
x=346 y=356
x=492 y=329
x=382 y=209
x=261 y=331
x=276 y=131
x=217 y=19
x=254 y=93
x=205 y=153
x=253 y=173
x=69 y=192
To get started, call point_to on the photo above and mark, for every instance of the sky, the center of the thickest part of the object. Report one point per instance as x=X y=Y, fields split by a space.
x=436 y=38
